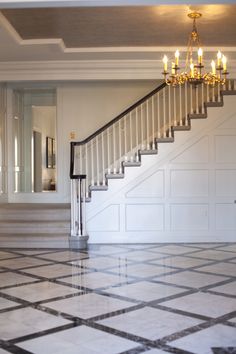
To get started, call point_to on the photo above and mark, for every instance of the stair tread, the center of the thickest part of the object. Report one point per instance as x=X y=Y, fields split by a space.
x=115 y=175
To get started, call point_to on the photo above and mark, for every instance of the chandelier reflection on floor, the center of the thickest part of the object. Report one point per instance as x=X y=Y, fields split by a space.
x=194 y=70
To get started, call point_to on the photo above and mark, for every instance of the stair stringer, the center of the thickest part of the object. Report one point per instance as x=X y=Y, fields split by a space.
x=137 y=219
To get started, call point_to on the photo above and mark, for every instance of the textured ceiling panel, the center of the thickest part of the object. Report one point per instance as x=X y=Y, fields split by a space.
x=125 y=26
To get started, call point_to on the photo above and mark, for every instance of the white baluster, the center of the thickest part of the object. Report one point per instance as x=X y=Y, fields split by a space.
x=158 y=116
x=175 y=123
x=153 y=125
x=180 y=106
x=208 y=94
x=103 y=161
x=164 y=113
x=97 y=158
x=108 y=151
x=202 y=105
x=142 y=132
x=125 y=136
x=92 y=163
x=197 y=101
x=191 y=99
x=114 y=147
x=169 y=112
x=218 y=93
x=147 y=124
x=86 y=169
x=84 y=208
x=186 y=103
x=131 y=136
x=136 y=132
x=120 y=152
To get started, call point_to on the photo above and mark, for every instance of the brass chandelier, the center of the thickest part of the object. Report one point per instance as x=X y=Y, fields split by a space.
x=194 y=70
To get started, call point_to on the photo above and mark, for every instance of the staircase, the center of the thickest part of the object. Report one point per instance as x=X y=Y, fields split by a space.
x=34 y=224
x=138 y=131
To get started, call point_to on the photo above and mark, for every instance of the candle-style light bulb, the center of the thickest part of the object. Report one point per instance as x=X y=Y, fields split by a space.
x=173 y=68
x=177 y=58
x=213 y=67
x=224 y=61
x=219 y=56
x=200 y=52
x=165 y=61
x=192 y=70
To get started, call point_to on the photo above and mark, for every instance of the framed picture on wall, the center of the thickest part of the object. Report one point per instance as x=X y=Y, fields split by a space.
x=50 y=152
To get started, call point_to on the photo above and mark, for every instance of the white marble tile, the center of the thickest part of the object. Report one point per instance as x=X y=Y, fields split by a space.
x=206 y=245
x=53 y=271
x=213 y=254
x=64 y=256
x=144 y=291
x=105 y=249
x=174 y=249
x=233 y=320
x=229 y=247
x=100 y=262
x=180 y=262
x=88 y=305
x=10 y=278
x=156 y=351
x=40 y=291
x=22 y=262
x=2 y=351
x=33 y=252
x=150 y=323
x=95 y=280
x=221 y=268
x=5 y=255
x=79 y=340
x=192 y=279
x=201 y=342
x=26 y=321
x=203 y=304
x=142 y=270
x=5 y=303
x=229 y=288
x=141 y=255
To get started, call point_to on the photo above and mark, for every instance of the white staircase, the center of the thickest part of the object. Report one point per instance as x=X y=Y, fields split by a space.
x=105 y=155
x=38 y=225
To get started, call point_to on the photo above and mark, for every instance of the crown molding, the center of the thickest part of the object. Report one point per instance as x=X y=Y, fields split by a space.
x=83 y=3
x=86 y=70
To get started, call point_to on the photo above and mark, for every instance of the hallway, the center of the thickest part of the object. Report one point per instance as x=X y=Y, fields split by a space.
x=152 y=298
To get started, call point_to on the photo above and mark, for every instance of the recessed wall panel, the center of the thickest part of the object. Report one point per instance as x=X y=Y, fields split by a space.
x=144 y=217
x=106 y=220
x=189 y=217
x=226 y=183
x=189 y=183
x=225 y=216
x=225 y=147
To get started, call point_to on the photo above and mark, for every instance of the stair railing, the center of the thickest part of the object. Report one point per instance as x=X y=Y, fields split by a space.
x=136 y=131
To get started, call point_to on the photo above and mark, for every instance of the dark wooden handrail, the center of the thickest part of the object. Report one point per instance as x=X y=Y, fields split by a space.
x=121 y=115
x=100 y=130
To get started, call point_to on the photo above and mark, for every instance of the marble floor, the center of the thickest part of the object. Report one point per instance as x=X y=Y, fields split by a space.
x=129 y=299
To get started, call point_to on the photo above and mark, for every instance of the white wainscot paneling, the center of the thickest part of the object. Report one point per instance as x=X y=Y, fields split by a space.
x=225 y=216
x=189 y=183
x=144 y=217
x=194 y=154
x=225 y=147
x=226 y=183
x=189 y=217
x=107 y=219
x=151 y=187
